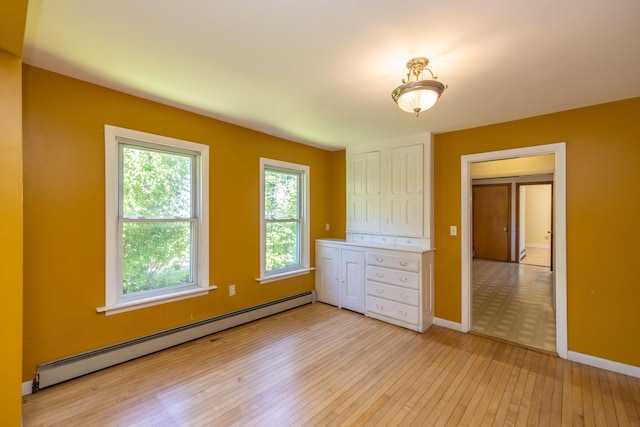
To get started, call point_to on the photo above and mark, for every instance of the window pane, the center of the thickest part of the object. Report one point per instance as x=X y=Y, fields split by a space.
x=156 y=255
x=282 y=240
x=281 y=195
x=156 y=184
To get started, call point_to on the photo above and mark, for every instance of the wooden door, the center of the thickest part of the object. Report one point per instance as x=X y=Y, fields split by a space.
x=491 y=218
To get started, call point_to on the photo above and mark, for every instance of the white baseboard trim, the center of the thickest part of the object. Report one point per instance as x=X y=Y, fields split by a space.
x=448 y=324
x=538 y=245
x=609 y=365
x=27 y=387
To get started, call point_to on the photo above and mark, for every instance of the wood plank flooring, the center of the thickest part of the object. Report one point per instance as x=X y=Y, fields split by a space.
x=318 y=365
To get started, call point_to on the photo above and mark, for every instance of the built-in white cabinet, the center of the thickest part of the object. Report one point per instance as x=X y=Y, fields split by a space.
x=402 y=198
x=389 y=191
x=363 y=187
x=393 y=285
x=400 y=287
x=340 y=275
x=352 y=279
x=328 y=274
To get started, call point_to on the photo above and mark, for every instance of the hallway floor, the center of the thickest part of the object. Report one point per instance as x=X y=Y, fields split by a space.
x=514 y=302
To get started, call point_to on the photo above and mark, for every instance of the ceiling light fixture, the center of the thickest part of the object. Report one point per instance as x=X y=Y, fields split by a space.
x=416 y=94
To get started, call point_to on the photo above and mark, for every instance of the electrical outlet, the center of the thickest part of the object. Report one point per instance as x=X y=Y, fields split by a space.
x=327 y=226
x=453 y=230
x=232 y=290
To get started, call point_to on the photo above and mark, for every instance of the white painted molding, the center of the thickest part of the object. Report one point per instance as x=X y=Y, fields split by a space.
x=560 y=230
x=609 y=365
x=538 y=245
x=448 y=324
x=27 y=387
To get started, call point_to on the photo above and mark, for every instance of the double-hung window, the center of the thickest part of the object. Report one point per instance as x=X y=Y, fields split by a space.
x=156 y=219
x=284 y=228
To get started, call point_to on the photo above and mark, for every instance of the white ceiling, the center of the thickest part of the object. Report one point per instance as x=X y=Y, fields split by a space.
x=322 y=72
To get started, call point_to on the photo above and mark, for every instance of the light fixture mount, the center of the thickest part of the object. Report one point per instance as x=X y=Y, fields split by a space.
x=417 y=94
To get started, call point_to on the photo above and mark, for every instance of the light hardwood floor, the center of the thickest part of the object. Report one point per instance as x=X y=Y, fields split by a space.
x=318 y=365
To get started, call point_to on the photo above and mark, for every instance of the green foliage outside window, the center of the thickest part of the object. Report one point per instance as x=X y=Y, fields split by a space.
x=157 y=206
x=283 y=219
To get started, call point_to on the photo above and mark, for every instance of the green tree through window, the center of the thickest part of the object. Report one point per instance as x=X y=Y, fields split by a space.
x=284 y=228
x=283 y=219
x=157 y=218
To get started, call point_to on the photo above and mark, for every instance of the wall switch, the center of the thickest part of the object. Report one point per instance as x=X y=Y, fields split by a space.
x=232 y=290
x=453 y=230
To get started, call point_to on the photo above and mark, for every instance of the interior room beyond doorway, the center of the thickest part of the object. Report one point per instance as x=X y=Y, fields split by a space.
x=512 y=296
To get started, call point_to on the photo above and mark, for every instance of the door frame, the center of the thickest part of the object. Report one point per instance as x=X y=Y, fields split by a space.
x=560 y=229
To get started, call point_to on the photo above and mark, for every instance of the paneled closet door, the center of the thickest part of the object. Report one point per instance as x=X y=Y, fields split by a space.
x=363 y=192
x=403 y=196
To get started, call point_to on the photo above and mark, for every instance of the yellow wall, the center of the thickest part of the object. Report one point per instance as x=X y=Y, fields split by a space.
x=12 y=22
x=339 y=194
x=603 y=176
x=10 y=236
x=64 y=214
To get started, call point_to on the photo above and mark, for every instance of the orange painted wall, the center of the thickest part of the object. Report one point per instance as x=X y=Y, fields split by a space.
x=12 y=23
x=339 y=194
x=603 y=177
x=64 y=214
x=10 y=237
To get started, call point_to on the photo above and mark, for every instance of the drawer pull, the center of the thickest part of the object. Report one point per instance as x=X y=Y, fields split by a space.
x=380 y=274
x=402 y=313
x=379 y=259
x=403 y=279
x=403 y=263
x=380 y=291
x=404 y=296
x=380 y=307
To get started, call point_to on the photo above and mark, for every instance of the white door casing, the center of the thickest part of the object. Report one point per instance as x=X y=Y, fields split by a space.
x=560 y=231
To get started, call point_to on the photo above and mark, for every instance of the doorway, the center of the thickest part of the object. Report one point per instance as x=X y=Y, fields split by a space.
x=535 y=223
x=559 y=241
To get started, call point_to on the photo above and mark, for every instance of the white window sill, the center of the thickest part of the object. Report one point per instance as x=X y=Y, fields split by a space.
x=122 y=307
x=286 y=275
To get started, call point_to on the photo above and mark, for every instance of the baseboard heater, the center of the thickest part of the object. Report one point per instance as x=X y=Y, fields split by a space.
x=64 y=369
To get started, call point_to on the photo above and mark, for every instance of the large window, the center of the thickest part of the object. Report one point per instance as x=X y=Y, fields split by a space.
x=156 y=219
x=284 y=206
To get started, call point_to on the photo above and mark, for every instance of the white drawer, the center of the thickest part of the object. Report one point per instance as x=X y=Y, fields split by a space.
x=383 y=240
x=408 y=242
x=394 y=310
x=394 y=261
x=359 y=238
x=407 y=279
x=394 y=293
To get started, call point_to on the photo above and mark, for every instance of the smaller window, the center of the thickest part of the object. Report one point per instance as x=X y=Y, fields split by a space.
x=284 y=225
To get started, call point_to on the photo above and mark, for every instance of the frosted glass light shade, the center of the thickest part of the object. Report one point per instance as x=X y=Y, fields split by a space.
x=417 y=96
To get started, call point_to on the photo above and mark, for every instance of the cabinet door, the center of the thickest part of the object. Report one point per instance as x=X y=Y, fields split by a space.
x=363 y=192
x=327 y=278
x=403 y=202
x=352 y=280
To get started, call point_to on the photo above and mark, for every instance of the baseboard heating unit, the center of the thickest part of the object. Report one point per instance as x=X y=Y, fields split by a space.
x=64 y=369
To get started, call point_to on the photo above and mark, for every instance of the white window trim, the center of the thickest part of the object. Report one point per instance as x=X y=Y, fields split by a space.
x=305 y=234
x=113 y=303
